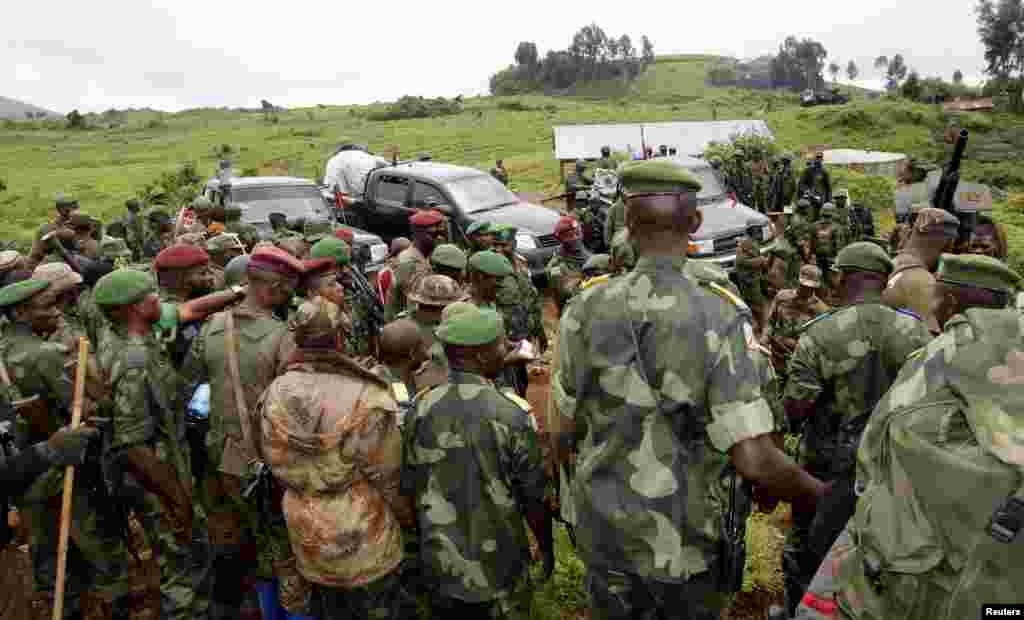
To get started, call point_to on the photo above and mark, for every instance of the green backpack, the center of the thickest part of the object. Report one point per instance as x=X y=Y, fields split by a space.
x=936 y=530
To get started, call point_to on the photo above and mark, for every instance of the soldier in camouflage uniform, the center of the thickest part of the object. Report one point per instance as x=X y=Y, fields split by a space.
x=148 y=446
x=576 y=182
x=750 y=268
x=344 y=494
x=830 y=236
x=361 y=341
x=232 y=218
x=564 y=270
x=479 y=236
x=432 y=294
x=87 y=235
x=472 y=464
x=36 y=368
x=322 y=279
x=623 y=253
x=252 y=340
x=518 y=289
x=222 y=248
x=789 y=312
x=430 y=230
x=614 y=221
x=844 y=361
x=938 y=453
x=449 y=260
x=654 y=424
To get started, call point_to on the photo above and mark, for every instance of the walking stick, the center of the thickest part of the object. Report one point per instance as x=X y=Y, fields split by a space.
x=69 y=482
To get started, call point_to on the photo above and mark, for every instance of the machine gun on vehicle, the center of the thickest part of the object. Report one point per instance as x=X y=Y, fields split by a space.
x=945 y=193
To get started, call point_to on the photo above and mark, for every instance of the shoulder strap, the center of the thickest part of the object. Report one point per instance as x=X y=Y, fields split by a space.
x=6 y=378
x=231 y=349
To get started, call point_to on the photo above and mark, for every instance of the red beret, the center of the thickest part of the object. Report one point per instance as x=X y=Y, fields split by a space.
x=275 y=260
x=429 y=217
x=181 y=256
x=566 y=225
x=345 y=234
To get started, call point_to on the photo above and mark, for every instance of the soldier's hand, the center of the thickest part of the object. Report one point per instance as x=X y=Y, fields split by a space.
x=68 y=447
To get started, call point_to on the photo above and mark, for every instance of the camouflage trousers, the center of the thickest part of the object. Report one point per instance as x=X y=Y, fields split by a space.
x=384 y=599
x=619 y=596
x=515 y=606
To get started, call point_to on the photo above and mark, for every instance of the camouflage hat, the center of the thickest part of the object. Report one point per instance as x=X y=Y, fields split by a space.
x=224 y=242
x=201 y=204
x=60 y=276
x=810 y=276
x=978 y=271
x=113 y=248
x=479 y=228
x=317 y=317
x=449 y=255
x=504 y=232
x=235 y=272
x=123 y=287
x=470 y=327
x=863 y=256
x=14 y=294
x=10 y=260
x=456 y=308
x=332 y=247
x=932 y=221
x=657 y=176
x=435 y=291
x=491 y=263
x=597 y=262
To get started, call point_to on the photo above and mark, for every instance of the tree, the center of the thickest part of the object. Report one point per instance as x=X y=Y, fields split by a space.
x=958 y=77
x=799 y=64
x=648 y=50
x=895 y=72
x=833 y=70
x=526 y=54
x=1001 y=29
x=852 y=71
x=912 y=88
x=75 y=120
x=882 y=62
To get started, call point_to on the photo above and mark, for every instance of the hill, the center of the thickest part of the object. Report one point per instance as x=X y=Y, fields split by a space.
x=18 y=110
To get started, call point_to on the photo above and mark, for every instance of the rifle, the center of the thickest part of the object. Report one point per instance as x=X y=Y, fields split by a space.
x=733 y=549
x=946 y=191
x=373 y=304
x=558 y=197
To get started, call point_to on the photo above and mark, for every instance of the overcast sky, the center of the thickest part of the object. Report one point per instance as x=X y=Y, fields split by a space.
x=179 y=54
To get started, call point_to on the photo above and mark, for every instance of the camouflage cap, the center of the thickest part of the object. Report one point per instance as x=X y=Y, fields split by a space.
x=436 y=290
x=932 y=221
x=479 y=228
x=863 y=256
x=235 y=272
x=657 y=176
x=113 y=248
x=978 y=271
x=597 y=262
x=123 y=287
x=316 y=317
x=224 y=242
x=19 y=292
x=470 y=327
x=449 y=255
x=504 y=232
x=491 y=263
x=810 y=276
x=60 y=276
x=332 y=247
x=10 y=260
x=455 y=308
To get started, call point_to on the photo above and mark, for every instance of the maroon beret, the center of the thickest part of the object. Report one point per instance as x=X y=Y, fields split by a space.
x=274 y=260
x=181 y=256
x=567 y=228
x=345 y=234
x=429 y=217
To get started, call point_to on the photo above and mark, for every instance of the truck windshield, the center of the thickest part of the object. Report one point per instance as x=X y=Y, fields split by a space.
x=480 y=193
x=293 y=201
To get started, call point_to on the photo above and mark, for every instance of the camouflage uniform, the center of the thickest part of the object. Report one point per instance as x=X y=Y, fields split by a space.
x=650 y=487
x=750 y=276
x=787 y=314
x=520 y=303
x=565 y=272
x=844 y=361
x=247 y=233
x=935 y=463
x=411 y=266
x=830 y=236
x=614 y=221
x=472 y=463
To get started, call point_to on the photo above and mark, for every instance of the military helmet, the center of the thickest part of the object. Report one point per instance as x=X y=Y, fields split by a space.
x=436 y=290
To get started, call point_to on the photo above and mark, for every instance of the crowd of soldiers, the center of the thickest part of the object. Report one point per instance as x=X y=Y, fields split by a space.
x=272 y=448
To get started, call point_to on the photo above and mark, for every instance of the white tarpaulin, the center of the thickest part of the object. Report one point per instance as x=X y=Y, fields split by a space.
x=688 y=138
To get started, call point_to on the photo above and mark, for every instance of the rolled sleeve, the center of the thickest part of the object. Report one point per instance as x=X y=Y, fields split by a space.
x=735 y=422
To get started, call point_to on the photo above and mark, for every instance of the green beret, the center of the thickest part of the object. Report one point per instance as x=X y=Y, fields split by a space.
x=14 y=294
x=978 y=271
x=597 y=262
x=504 y=232
x=479 y=228
x=332 y=247
x=470 y=327
x=123 y=287
x=657 y=176
x=491 y=263
x=863 y=256
x=449 y=255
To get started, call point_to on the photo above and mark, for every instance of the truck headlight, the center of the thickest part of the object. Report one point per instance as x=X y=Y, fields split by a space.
x=701 y=248
x=526 y=241
x=767 y=232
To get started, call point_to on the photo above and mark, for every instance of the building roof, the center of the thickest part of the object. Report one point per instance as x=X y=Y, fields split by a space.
x=842 y=157
x=689 y=138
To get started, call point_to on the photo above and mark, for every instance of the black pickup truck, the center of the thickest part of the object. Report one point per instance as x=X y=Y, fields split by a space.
x=393 y=193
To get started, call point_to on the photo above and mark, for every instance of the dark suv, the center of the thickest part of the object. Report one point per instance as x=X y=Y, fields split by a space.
x=297 y=199
x=394 y=193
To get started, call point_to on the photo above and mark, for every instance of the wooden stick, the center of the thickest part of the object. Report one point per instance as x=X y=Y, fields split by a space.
x=69 y=482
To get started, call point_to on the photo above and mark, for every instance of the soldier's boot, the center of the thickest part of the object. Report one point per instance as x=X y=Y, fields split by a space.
x=98 y=606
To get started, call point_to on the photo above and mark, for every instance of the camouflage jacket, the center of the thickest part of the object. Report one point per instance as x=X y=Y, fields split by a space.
x=749 y=277
x=657 y=380
x=473 y=464
x=411 y=266
x=565 y=273
x=614 y=221
x=845 y=361
x=520 y=303
x=357 y=343
x=329 y=432
x=829 y=237
x=247 y=233
x=264 y=343
x=787 y=314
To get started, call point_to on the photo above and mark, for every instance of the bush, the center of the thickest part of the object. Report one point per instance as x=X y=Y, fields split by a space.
x=854 y=119
x=875 y=192
x=515 y=106
x=173 y=189
x=417 y=107
x=156 y=124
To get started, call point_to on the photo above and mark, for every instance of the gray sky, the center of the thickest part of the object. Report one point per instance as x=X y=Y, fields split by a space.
x=178 y=54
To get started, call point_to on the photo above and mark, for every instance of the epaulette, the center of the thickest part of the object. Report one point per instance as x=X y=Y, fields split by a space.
x=808 y=324
x=726 y=294
x=522 y=403
x=400 y=392
x=595 y=280
x=909 y=313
